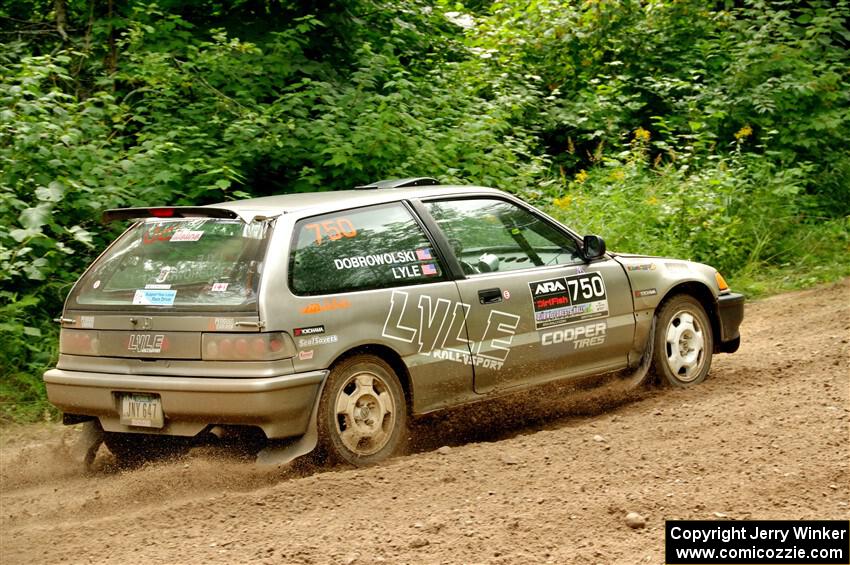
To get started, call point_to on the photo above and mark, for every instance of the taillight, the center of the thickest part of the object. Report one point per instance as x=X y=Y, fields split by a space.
x=246 y=347
x=78 y=342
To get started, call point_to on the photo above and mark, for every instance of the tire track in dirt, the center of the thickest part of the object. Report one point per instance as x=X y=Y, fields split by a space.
x=533 y=478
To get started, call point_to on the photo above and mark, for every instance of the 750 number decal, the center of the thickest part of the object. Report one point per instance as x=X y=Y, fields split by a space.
x=334 y=229
x=590 y=287
x=568 y=299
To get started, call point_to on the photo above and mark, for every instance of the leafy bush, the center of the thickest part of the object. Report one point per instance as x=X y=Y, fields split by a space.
x=684 y=128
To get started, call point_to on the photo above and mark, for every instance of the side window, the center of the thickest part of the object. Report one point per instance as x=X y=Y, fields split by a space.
x=374 y=247
x=490 y=235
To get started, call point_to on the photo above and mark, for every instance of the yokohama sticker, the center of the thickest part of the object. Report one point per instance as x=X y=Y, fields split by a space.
x=645 y=292
x=312 y=330
x=568 y=299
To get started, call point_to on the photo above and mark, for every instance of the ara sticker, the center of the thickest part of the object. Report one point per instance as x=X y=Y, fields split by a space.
x=147 y=297
x=186 y=235
x=219 y=287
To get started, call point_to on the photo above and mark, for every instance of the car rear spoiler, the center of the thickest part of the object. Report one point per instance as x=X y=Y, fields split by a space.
x=167 y=212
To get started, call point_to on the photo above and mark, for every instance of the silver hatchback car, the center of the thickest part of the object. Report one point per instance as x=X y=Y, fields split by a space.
x=332 y=318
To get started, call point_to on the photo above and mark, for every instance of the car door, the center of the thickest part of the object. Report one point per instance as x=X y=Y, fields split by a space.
x=537 y=311
x=370 y=275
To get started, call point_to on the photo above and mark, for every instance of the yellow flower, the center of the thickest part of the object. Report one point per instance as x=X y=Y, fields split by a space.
x=618 y=174
x=744 y=132
x=642 y=134
x=581 y=176
x=563 y=202
x=652 y=201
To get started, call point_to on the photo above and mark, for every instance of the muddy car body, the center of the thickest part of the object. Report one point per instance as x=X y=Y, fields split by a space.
x=339 y=315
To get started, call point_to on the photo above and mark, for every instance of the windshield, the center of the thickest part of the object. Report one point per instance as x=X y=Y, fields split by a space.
x=192 y=263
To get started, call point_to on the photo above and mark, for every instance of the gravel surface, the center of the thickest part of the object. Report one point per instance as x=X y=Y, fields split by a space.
x=553 y=476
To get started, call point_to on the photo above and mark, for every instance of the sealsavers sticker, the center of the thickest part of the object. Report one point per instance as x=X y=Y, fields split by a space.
x=568 y=299
x=150 y=297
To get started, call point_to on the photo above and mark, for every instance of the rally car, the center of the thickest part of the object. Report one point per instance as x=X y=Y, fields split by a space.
x=332 y=318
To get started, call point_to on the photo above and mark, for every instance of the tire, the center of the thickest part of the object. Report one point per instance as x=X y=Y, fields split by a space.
x=132 y=450
x=683 y=342
x=362 y=413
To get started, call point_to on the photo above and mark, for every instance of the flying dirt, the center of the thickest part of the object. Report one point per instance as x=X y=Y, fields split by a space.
x=555 y=475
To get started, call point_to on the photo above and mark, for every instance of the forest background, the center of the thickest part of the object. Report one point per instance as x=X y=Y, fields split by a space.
x=715 y=131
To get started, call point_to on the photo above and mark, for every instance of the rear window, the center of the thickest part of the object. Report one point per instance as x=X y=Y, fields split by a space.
x=374 y=247
x=192 y=263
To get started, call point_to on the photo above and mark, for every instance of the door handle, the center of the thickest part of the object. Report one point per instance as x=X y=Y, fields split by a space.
x=490 y=296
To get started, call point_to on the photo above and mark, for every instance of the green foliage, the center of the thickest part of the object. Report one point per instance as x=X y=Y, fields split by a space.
x=682 y=127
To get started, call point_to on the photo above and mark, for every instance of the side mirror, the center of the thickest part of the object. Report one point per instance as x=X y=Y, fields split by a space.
x=488 y=263
x=594 y=247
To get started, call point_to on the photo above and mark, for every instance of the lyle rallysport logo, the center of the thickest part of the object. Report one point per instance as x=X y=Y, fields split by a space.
x=146 y=343
x=568 y=299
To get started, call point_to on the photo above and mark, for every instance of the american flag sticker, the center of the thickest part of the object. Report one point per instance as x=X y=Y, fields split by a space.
x=424 y=255
x=429 y=269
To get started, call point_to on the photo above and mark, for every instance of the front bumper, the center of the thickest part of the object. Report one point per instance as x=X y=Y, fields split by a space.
x=730 y=311
x=280 y=406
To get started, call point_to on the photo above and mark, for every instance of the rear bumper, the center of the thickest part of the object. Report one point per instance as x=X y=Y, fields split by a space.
x=730 y=311
x=280 y=406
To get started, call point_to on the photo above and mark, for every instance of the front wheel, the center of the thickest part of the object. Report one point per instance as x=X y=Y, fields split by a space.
x=362 y=413
x=683 y=342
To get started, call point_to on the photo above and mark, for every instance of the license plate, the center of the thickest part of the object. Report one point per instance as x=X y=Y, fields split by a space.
x=141 y=410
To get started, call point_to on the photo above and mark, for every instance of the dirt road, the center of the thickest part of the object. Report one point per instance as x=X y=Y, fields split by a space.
x=533 y=480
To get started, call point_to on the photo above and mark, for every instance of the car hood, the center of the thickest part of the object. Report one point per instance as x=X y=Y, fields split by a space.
x=633 y=255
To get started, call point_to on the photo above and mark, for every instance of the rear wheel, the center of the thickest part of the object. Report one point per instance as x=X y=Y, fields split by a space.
x=134 y=449
x=683 y=342
x=362 y=413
